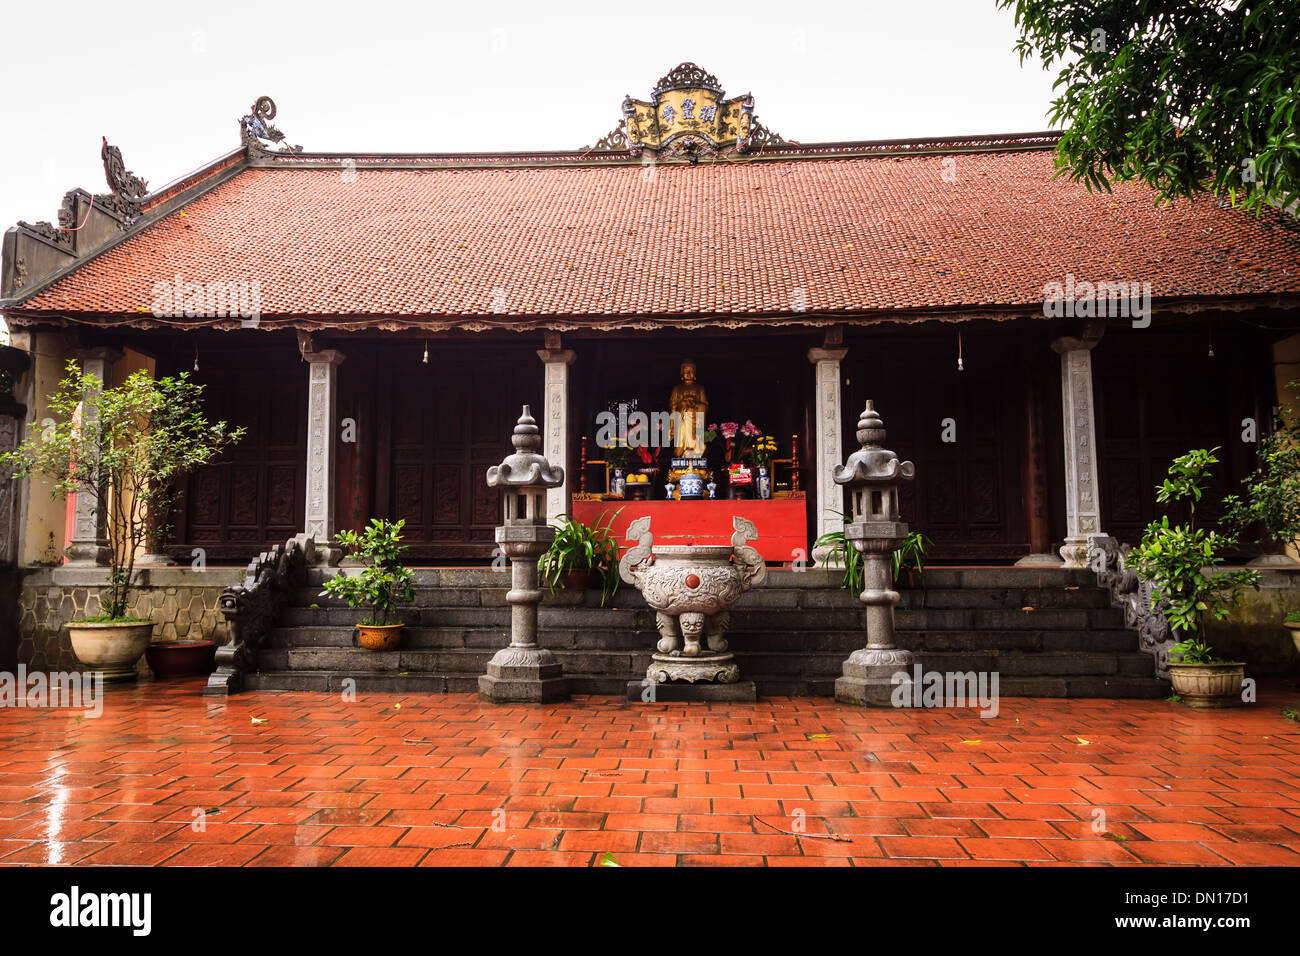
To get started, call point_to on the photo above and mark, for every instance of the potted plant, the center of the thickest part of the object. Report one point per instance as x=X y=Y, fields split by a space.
x=1271 y=493
x=383 y=584
x=1292 y=623
x=907 y=559
x=123 y=447
x=582 y=557
x=1181 y=562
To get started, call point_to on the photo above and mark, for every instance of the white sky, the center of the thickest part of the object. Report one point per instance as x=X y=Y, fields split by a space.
x=167 y=82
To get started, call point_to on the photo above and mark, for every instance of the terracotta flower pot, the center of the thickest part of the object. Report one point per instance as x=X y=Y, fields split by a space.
x=111 y=647
x=583 y=580
x=1294 y=628
x=379 y=637
x=1208 y=685
x=181 y=658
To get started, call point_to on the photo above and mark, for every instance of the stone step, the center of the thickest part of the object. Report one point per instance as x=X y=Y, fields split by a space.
x=624 y=664
x=629 y=639
x=935 y=577
x=767 y=597
x=744 y=617
x=1114 y=687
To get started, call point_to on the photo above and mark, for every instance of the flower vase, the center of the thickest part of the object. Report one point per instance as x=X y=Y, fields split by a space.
x=619 y=484
x=764 y=484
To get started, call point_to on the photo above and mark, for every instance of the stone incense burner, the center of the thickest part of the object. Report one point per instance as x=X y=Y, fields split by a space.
x=692 y=589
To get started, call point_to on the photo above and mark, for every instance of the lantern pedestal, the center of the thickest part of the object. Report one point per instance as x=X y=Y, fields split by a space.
x=878 y=675
x=873 y=675
x=524 y=673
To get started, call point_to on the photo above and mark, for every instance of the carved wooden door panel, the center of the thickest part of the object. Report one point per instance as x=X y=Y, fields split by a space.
x=1160 y=395
x=254 y=497
x=964 y=430
x=450 y=421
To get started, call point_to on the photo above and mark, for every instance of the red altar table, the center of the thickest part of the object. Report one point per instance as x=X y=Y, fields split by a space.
x=782 y=523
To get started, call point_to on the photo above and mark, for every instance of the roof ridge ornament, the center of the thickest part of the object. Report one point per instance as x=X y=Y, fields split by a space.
x=128 y=190
x=256 y=127
x=688 y=114
x=686 y=76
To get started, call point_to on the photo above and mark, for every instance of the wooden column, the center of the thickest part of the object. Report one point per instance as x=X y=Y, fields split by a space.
x=1035 y=477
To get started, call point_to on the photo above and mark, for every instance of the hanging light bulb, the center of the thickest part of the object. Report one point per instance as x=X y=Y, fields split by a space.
x=960 y=366
x=1211 y=337
x=425 y=360
x=196 y=356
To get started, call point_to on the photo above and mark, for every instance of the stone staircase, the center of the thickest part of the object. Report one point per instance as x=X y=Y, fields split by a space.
x=1046 y=632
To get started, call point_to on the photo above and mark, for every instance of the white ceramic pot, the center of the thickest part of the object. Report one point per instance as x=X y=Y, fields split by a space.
x=1208 y=685
x=111 y=647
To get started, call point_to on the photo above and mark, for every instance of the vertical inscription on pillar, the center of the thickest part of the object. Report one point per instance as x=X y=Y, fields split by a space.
x=830 y=496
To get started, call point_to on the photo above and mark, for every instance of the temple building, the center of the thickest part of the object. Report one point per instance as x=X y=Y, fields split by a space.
x=377 y=320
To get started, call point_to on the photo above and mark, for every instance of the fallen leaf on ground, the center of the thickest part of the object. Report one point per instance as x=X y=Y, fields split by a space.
x=608 y=860
x=259 y=720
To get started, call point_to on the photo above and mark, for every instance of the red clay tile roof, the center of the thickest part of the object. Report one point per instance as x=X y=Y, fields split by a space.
x=877 y=234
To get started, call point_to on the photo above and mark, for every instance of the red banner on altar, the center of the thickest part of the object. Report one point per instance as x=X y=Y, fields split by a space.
x=782 y=523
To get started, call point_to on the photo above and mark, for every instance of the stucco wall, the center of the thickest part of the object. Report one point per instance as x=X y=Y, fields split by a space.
x=41 y=516
x=182 y=602
x=1254 y=632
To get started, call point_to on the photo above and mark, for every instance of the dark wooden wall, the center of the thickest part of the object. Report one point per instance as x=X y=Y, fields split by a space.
x=426 y=434
x=255 y=496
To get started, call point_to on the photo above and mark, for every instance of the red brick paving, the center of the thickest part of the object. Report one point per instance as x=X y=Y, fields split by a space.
x=391 y=780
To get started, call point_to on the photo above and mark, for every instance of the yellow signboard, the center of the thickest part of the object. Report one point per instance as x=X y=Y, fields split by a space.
x=687 y=113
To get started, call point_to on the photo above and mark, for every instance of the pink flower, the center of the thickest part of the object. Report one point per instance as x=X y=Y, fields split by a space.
x=729 y=430
x=749 y=428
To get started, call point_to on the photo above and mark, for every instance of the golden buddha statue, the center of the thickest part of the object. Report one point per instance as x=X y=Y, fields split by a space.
x=690 y=406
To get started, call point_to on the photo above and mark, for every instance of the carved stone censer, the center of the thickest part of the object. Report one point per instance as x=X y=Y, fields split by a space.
x=692 y=589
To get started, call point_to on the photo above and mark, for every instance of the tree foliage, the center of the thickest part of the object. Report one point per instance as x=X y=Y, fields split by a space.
x=124 y=447
x=1181 y=560
x=1186 y=96
x=1271 y=493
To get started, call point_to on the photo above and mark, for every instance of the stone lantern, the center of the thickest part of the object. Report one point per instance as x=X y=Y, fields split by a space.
x=524 y=672
x=871 y=477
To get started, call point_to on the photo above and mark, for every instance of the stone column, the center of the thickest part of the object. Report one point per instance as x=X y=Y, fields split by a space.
x=89 y=544
x=322 y=395
x=828 y=496
x=1082 y=514
x=556 y=422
